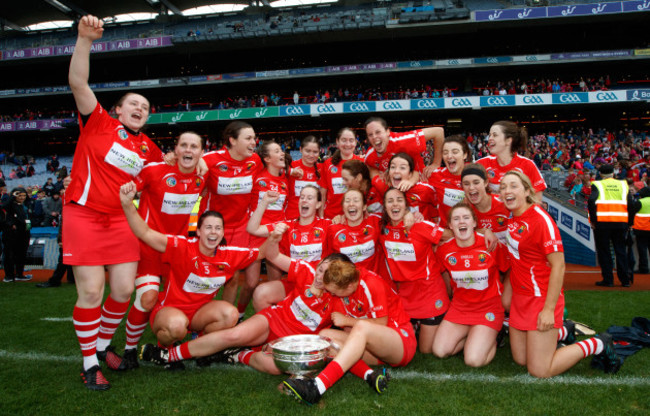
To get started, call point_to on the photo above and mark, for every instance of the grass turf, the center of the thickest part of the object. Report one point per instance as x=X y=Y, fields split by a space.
x=40 y=363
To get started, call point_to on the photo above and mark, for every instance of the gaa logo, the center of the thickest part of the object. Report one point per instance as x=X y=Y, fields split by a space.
x=492 y=61
x=606 y=96
x=497 y=101
x=327 y=108
x=342 y=237
x=392 y=105
x=262 y=184
x=453 y=62
x=359 y=107
x=295 y=111
x=415 y=64
x=439 y=303
x=334 y=169
x=171 y=181
x=531 y=58
x=122 y=134
x=426 y=104
x=532 y=99
x=452 y=260
x=570 y=98
x=489 y=317
x=223 y=168
x=461 y=102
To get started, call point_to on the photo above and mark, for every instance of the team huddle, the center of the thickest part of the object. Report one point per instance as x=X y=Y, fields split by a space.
x=382 y=254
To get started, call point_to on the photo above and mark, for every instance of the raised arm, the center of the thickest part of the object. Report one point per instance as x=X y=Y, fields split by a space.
x=90 y=29
x=437 y=134
x=253 y=227
x=273 y=249
x=152 y=238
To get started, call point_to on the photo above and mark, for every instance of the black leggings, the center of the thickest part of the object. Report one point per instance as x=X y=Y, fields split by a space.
x=15 y=248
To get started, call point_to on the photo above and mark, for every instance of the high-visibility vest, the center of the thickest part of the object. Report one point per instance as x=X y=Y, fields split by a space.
x=194 y=217
x=611 y=205
x=642 y=218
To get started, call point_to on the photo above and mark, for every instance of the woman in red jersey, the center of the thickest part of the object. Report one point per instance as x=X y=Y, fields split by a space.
x=413 y=267
x=446 y=180
x=331 y=183
x=420 y=197
x=476 y=314
x=304 y=171
x=357 y=235
x=491 y=213
x=306 y=310
x=273 y=179
x=376 y=327
x=505 y=141
x=199 y=268
x=168 y=195
x=230 y=184
x=537 y=262
x=109 y=153
x=305 y=239
x=356 y=175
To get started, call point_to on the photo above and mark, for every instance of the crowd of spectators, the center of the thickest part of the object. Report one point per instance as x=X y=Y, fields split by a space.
x=540 y=86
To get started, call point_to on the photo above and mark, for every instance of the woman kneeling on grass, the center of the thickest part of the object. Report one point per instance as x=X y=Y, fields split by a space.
x=306 y=310
x=199 y=267
x=376 y=327
x=537 y=305
x=476 y=314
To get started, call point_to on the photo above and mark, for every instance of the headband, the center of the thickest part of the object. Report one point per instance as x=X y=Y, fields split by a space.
x=473 y=171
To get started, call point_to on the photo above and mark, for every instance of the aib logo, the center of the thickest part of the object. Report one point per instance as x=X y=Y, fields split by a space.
x=461 y=102
x=392 y=105
x=606 y=96
x=294 y=111
x=533 y=99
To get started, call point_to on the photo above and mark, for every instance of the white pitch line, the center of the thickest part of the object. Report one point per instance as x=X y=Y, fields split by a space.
x=406 y=374
x=51 y=319
x=523 y=379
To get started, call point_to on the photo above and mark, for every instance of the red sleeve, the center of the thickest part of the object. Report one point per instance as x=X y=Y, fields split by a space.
x=175 y=249
x=155 y=154
x=378 y=289
x=501 y=258
x=429 y=231
x=241 y=258
x=549 y=235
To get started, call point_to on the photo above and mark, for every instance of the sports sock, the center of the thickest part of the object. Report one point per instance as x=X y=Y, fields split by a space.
x=361 y=369
x=136 y=323
x=562 y=333
x=182 y=352
x=244 y=357
x=330 y=375
x=112 y=314
x=591 y=346
x=86 y=325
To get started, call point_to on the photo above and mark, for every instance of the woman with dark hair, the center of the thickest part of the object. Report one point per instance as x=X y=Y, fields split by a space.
x=231 y=172
x=331 y=182
x=96 y=235
x=15 y=235
x=446 y=180
x=537 y=306
x=507 y=142
x=304 y=171
x=356 y=175
x=198 y=268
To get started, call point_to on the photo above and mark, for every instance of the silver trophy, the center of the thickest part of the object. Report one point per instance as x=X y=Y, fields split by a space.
x=302 y=356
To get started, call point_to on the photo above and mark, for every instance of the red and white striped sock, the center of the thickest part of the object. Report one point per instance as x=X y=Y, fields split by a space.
x=591 y=346
x=562 y=333
x=182 y=352
x=136 y=323
x=86 y=325
x=112 y=314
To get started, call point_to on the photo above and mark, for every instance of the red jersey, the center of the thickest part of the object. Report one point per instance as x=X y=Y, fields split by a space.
x=420 y=198
x=374 y=200
x=305 y=242
x=449 y=192
x=295 y=187
x=410 y=255
x=411 y=142
x=524 y=165
x=301 y=312
x=530 y=238
x=496 y=219
x=264 y=183
x=230 y=183
x=474 y=273
x=168 y=197
x=107 y=156
x=330 y=179
x=359 y=243
x=196 y=278
x=373 y=299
